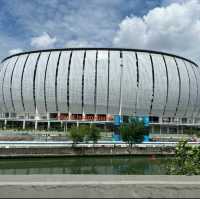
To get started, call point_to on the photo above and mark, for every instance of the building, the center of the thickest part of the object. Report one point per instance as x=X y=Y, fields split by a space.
x=95 y=84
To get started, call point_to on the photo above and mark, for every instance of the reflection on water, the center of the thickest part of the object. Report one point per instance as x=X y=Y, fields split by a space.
x=85 y=165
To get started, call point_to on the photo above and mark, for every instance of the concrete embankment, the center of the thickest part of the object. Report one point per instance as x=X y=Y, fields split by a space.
x=99 y=186
x=83 y=151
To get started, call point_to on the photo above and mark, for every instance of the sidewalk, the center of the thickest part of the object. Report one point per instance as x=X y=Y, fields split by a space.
x=99 y=186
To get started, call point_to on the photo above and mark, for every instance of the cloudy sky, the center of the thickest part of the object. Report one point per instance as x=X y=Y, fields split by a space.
x=167 y=25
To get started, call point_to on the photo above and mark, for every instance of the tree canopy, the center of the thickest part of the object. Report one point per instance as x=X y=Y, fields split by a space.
x=133 y=132
x=84 y=133
x=93 y=134
x=77 y=134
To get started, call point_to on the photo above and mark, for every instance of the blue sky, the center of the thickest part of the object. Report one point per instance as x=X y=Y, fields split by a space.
x=151 y=24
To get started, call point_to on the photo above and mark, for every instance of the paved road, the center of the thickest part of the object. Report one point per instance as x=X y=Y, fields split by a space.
x=99 y=186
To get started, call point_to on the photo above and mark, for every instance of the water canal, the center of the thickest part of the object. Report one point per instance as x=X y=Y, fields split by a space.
x=138 y=165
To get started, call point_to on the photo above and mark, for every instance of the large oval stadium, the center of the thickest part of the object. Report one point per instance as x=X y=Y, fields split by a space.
x=105 y=82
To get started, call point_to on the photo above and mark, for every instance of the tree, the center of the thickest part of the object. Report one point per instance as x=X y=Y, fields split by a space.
x=93 y=133
x=84 y=133
x=186 y=161
x=192 y=131
x=77 y=134
x=132 y=132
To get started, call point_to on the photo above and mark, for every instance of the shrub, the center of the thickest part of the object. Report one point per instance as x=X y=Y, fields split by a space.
x=133 y=132
x=77 y=134
x=84 y=133
x=93 y=134
x=186 y=161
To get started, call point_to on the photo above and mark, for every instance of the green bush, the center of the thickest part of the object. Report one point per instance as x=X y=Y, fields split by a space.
x=186 y=161
x=133 y=132
x=77 y=134
x=84 y=133
x=192 y=131
x=93 y=134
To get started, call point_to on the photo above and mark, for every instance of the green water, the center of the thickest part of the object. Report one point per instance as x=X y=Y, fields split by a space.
x=85 y=165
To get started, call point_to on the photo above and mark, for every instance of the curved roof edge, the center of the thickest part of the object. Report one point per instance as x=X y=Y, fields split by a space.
x=92 y=48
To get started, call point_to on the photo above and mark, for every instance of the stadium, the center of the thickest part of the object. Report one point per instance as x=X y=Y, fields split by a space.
x=96 y=85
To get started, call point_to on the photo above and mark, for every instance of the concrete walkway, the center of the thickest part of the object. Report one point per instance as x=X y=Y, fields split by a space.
x=99 y=186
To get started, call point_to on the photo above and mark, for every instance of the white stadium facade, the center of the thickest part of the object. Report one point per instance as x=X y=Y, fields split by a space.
x=95 y=84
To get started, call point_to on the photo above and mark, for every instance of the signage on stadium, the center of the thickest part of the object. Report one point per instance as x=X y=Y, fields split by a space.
x=85 y=117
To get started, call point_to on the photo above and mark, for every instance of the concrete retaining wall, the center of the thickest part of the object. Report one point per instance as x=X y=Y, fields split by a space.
x=79 y=151
x=99 y=186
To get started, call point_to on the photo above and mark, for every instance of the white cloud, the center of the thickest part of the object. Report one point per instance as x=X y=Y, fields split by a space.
x=43 y=41
x=73 y=21
x=174 y=28
x=8 y=44
x=77 y=44
x=15 y=51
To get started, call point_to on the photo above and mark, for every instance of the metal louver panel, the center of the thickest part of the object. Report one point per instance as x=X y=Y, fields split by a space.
x=39 y=83
x=195 y=110
x=75 y=82
x=198 y=81
x=173 y=87
x=160 y=85
x=145 y=84
x=7 y=84
x=129 y=83
x=16 y=85
x=27 y=83
x=102 y=82
x=193 y=91
x=184 y=97
x=50 y=82
x=114 y=82
x=89 y=82
x=62 y=81
x=1 y=67
x=2 y=74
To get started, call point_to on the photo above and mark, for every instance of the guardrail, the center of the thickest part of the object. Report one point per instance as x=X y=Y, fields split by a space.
x=10 y=144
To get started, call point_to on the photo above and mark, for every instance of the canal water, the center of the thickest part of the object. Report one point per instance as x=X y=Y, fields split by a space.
x=148 y=165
